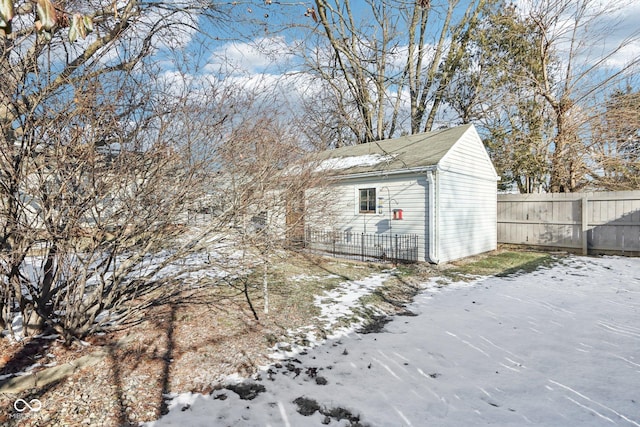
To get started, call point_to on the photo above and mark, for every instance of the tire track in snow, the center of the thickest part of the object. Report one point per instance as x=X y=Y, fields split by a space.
x=388 y=369
x=514 y=364
x=593 y=402
x=623 y=304
x=510 y=353
x=436 y=395
x=618 y=329
x=551 y=307
x=468 y=343
x=617 y=356
x=395 y=362
x=590 y=409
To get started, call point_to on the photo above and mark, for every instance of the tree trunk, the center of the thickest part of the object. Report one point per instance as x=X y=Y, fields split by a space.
x=33 y=322
x=265 y=288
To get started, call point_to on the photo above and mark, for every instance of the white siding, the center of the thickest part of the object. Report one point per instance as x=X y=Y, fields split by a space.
x=467 y=200
x=408 y=193
x=467 y=223
x=469 y=156
x=465 y=196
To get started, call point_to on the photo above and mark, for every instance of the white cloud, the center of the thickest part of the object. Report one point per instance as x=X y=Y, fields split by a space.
x=627 y=54
x=596 y=31
x=258 y=56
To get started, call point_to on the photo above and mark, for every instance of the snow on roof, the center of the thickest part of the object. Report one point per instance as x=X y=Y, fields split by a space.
x=353 y=161
x=404 y=153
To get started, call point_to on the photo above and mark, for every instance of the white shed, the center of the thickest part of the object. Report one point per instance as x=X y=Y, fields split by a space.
x=439 y=185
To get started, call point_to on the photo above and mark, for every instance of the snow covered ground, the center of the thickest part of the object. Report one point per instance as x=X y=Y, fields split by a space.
x=556 y=347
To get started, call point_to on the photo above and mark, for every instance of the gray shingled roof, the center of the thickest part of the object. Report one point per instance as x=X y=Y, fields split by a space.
x=406 y=152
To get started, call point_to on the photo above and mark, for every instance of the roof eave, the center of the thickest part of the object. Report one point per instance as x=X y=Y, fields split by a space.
x=375 y=174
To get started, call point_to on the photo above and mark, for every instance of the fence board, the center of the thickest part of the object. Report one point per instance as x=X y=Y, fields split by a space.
x=589 y=222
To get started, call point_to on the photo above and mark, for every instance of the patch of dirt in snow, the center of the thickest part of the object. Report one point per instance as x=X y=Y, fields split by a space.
x=376 y=325
x=246 y=390
x=308 y=407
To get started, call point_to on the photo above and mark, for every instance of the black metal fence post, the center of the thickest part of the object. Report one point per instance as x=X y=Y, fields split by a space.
x=333 y=243
x=397 y=254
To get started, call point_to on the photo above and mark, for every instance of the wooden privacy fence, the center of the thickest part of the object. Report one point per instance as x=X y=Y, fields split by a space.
x=607 y=222
x=386 y=247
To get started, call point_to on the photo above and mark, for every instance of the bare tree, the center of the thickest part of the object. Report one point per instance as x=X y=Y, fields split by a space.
x=616 y=147
x=495 y=91
x=267 y=178
x=382 y=68
x=96 y=169
x=560 y=61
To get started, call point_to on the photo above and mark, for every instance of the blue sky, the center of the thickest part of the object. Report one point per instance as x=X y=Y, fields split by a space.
x=258 y=46
x=253 y=51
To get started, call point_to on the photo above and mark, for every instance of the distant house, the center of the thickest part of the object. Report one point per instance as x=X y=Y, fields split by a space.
x=440 y=186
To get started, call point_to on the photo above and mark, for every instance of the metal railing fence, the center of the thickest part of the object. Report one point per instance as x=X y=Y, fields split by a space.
x=361 y=246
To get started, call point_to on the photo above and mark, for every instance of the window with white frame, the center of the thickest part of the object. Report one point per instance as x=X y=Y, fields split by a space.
x=367 y=200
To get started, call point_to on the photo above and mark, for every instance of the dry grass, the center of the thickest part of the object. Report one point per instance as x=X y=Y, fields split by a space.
x=191 y=342
x=185 y=344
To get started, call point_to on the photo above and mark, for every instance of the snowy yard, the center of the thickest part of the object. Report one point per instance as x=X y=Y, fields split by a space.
x=556 y=347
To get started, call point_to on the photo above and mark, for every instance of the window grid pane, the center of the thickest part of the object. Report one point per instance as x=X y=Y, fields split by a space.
x=367 y=200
